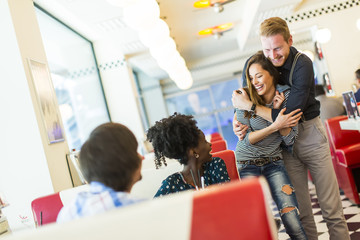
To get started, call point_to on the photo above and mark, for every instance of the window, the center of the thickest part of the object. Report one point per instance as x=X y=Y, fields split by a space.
x=211 y=106
x=75 y=78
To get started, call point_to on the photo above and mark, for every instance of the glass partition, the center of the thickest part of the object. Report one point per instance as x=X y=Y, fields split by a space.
x=75 y=78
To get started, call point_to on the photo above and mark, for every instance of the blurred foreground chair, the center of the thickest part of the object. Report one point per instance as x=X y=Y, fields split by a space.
x=345 y=150
x=229 y=158
x=237 y=210
x=218 y=146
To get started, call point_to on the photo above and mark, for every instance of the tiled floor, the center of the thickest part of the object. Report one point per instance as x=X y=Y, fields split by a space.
x=351 y=212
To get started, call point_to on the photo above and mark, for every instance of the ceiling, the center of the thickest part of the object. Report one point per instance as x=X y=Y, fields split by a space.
x=98 y=19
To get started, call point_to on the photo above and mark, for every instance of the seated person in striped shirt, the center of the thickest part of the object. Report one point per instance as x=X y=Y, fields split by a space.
x=110 y=163
x=179 y=138
x=259 y=153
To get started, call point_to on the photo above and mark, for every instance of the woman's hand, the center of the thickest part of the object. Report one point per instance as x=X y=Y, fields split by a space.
x=241 y=100
x=287 y=120
x=278 y=100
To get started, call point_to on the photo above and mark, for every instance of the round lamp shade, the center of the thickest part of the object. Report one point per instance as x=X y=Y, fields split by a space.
x=154 y=36
x=184 y=83
x=142 y=15
x=165 y=50
x=122 y=3
x=178 y=72
x=172 y=62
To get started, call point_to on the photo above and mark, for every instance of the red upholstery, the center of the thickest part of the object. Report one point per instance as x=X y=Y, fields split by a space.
x=218 y=146
x=45 y=209
x=236 y=210
x=229 y=158
x=214 y=139
x=349 y=155
x=330 y=126
x=342 y=138
x=345 y=150
x=215 y=135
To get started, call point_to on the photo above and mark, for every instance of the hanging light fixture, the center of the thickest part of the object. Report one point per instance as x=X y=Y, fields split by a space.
x=178 y=71
x=142 y=15
x=172 y=62
x=156 y=35
x=122 y=3
x=218 y=5
x=216 y=31
x=202 y=4
x=164 y=51
x=184 y=81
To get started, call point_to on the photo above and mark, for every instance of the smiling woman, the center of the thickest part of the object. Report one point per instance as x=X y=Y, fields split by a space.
x=259 y=153
x=178 y=137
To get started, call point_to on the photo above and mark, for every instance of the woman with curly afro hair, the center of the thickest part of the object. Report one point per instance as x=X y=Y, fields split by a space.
x=179 y=138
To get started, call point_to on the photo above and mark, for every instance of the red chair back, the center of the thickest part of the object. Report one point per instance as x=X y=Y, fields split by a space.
x=340 y=138
x=214 y=139
x=45 y=209
x=229 y=158
x=218 y=146
x=215 y=135
x=233 y=211
x=345 y=151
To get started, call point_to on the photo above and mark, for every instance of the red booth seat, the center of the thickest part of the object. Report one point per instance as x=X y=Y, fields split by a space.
x=233 y=211
x=215 y=137
x=349 y=155
x=229 y=158
x=218 y=146
x=345 y=151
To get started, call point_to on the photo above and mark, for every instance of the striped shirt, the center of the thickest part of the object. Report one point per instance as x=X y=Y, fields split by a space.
x=269 y=146
x=98 y=199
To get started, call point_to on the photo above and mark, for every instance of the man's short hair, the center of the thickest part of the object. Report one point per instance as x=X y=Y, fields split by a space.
x=275 y=25
x=110 y=156
x=357 y=74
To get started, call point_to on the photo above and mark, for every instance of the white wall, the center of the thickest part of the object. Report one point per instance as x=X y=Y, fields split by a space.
x=119 y=86
x=342 y=52
x=30 y=167
x=153 y=98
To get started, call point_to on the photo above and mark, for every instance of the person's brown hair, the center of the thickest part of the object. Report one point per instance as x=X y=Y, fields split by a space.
x=110 y=156
x=275 y=25
x=259 y=58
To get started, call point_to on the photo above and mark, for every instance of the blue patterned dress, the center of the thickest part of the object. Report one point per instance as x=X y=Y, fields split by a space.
x=214 y=172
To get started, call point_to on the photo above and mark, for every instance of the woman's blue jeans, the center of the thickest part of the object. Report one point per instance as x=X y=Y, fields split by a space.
x=282 y=192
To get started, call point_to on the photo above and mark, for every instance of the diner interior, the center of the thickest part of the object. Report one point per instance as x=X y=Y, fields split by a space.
x=82 y=63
